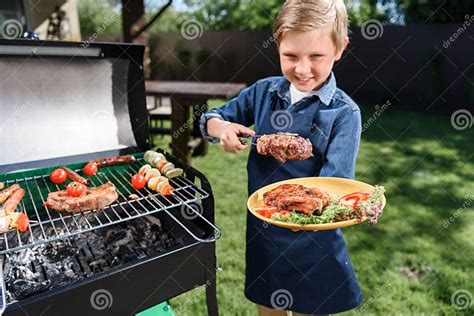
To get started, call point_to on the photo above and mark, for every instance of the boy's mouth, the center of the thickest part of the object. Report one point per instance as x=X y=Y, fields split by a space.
x=303 y=80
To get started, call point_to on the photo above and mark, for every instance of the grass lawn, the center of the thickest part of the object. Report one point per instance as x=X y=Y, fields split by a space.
x=419 y=254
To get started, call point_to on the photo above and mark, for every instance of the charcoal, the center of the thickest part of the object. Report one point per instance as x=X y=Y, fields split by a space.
x=59 y=251
x=139 y=231
x=59 y=276
x=118 y=237
x=21 y=289
x=123 y=255
x=60 y=263
x=98 y=265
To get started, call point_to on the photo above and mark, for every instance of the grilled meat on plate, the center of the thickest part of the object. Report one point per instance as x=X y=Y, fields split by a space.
x=285 y=146
x=92 y=199
x=298 y=198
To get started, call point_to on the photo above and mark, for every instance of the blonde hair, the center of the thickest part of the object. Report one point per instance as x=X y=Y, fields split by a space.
x=307 y=15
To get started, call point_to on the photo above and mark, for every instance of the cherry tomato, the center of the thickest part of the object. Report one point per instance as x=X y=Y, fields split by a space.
x=138 y=181
x=90 y=168
x=75 y=189
x=20 y=221
x=58 y=176
x=266 y=211
x=353 y=199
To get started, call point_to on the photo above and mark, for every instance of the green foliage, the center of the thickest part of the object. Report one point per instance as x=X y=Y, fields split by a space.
x=102 y=18
x=361 y=11
x=260 y=14
x=169 y=21
x=96 y=15
x=236 y=15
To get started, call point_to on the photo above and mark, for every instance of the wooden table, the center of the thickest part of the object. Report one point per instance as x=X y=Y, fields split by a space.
x=184 y=96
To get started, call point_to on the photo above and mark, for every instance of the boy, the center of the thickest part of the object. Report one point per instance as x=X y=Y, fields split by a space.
x=297 y=272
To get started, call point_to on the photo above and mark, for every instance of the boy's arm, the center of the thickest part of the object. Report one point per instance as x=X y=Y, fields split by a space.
x=225 y=123
x=341 y=153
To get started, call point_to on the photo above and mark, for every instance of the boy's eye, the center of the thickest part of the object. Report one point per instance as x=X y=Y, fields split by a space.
x=314 y=56
x=291 y=56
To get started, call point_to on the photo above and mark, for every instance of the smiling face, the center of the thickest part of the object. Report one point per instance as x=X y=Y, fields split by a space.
x=307 y=57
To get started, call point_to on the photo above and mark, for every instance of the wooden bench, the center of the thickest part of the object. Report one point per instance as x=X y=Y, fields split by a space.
x=188 y=103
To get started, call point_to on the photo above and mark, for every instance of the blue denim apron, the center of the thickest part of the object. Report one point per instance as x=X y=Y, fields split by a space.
x=305 y=272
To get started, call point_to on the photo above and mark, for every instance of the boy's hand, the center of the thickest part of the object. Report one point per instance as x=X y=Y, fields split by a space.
x=230 y=137
x=228 y=133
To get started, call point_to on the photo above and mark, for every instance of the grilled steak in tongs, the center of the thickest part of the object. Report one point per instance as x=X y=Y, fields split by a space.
x=285 y=146
x=92 y=199
x=295 y=197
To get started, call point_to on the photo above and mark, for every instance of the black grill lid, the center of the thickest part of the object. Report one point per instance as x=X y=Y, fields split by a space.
x=64 y=102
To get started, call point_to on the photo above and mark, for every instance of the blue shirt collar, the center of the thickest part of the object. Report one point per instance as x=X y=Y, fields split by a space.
x=325 y=94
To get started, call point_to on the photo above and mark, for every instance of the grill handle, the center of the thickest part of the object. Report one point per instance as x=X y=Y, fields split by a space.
x=191 y=174
x=213 y=238
x=207 y=203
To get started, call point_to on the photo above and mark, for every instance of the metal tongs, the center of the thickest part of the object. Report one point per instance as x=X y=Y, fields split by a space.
x=244 y=142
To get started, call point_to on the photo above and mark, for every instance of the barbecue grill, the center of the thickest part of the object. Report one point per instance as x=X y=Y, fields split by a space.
x=64 y=104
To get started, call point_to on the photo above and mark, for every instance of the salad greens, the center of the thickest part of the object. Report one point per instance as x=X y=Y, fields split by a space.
x=369 y=209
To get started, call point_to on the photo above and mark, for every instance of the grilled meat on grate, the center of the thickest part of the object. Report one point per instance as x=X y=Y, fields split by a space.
x=74 y=176
x=285 y=147
x=93 y=199
x=114 y=161
x=5 y=194
x=297 y=197
x=13 y=201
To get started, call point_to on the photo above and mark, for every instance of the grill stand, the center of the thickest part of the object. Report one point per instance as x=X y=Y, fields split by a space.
x=211 y=294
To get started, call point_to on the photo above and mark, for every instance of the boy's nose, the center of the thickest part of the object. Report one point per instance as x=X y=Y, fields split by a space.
x=303 y=68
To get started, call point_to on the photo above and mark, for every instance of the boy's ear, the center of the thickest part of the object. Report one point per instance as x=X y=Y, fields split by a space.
x=341 y=50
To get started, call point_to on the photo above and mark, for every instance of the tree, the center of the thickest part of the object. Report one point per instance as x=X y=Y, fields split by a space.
x=105 y=16
x=101 y=18
x=216 y=15
x=170 y=21
x=236 y=14
x=360 y=11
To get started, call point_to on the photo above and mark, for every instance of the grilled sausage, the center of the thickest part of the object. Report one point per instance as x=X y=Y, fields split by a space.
x=13 y=201
x=7 y=192
x=74 y=176
x=114 y=161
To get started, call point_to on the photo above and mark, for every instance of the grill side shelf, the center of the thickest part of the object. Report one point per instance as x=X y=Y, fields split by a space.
x=48 y=225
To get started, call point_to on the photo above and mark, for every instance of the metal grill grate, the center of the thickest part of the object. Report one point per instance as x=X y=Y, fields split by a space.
x=47 y=225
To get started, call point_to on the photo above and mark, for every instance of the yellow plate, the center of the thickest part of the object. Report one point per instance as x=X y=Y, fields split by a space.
x=332 y=186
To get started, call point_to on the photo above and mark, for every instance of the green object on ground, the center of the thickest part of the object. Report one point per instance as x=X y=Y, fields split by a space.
x=162 y=309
